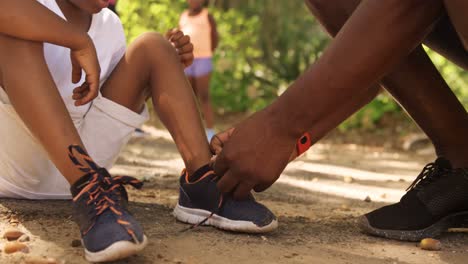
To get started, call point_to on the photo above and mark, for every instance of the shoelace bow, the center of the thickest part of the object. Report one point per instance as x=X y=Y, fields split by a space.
x=215 y=211
x=429 y=173
x=101 y=188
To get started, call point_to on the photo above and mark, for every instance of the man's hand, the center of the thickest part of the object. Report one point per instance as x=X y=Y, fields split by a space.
x=85 y=58
x=182 y=45
x=252 y=156
x=219 y=140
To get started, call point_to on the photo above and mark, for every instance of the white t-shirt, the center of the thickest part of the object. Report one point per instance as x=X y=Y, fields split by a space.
x=25 y=169
x=108 y=36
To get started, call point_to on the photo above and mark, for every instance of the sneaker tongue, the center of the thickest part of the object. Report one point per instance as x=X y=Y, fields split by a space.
x=443 y=163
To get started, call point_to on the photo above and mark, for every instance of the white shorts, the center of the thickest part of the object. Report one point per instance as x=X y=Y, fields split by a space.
x=25 y=169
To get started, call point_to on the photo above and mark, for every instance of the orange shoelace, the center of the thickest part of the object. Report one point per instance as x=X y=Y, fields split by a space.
x=101 y=188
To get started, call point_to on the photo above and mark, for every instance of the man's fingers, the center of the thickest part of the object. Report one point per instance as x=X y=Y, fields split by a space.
x=218 y=141
x=242 y=190
x=227 y=183
x=216 y=145
x=220 y=167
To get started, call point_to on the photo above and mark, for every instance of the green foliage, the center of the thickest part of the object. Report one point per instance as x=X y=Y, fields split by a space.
x=368 y=117
x=455 y=77
x=263 y=48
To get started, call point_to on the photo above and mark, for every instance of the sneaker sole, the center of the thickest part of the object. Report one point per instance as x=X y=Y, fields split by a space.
x=450 y=221
x=116 y=251
x=195 y=216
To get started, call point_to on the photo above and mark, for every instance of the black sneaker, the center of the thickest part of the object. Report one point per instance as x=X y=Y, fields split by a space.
x=436 y=201
x=108 y=230
x=200 y=202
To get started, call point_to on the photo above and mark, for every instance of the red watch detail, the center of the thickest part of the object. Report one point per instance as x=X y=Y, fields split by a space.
x=304 y=143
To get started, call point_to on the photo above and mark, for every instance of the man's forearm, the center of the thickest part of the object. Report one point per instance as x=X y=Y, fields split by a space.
x=377 y=36
x=29 y=20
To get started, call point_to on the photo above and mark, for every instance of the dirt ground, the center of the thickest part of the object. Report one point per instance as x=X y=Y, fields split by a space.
x=316 y=200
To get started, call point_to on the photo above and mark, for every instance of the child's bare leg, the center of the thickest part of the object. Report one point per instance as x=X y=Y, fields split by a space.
x=33 y=94
x=203 y=94
x=152 y=68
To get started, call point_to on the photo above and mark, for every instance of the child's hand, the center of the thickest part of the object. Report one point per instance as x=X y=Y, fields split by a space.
x=182 y=44
x=85 y=58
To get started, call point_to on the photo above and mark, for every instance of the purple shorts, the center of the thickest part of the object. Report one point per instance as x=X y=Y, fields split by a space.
x=199 y=67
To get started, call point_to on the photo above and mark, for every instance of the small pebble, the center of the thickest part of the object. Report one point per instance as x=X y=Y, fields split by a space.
x=367 y=199
x=24 y=238
x=264 y=238
x=348 y=179
x=430 y=244
x=13 y=247
x=40 y=260
x=12 y=234
x=76 y=243
x=345 y=207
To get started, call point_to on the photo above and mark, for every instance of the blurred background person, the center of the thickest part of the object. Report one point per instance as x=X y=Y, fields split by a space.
x=200 y=25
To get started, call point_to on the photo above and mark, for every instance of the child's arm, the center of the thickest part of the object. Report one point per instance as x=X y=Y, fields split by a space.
x=214 y=33
x=29 y=20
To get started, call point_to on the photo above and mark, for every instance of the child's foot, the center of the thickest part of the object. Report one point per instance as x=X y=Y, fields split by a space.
x=436 y=201
x=108 y=230
x=200 y=198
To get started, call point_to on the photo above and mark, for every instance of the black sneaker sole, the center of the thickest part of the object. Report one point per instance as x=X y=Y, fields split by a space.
x=435 y=230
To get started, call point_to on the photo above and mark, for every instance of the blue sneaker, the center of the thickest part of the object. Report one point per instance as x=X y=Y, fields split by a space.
x=200 y=202
x=108 y=230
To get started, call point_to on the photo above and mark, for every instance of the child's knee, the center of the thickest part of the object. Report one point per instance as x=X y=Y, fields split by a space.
x=153 y=42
